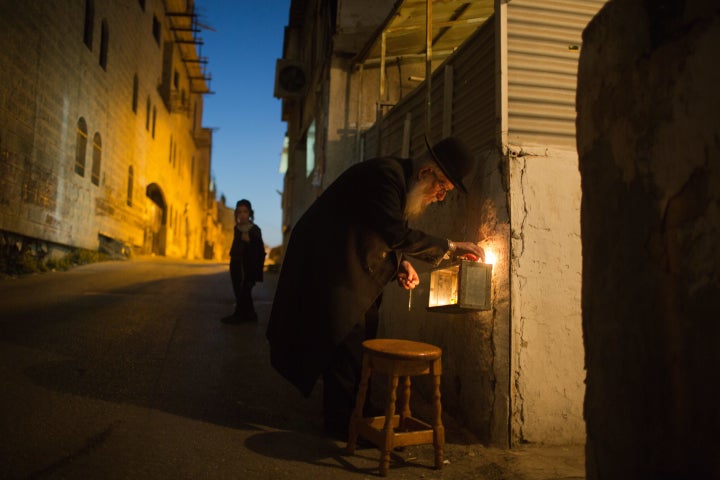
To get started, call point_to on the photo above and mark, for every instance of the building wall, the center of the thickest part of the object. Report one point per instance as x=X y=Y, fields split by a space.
x=650 y=167
x=547 y=355
x=513 y=374
x=51 y=79
x=476 y=345
x=547 y=358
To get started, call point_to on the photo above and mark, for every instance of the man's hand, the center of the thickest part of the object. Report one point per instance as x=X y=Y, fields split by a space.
x=470 y=251
x=407 y=276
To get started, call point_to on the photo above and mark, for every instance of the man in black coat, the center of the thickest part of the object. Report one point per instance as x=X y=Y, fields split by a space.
x=352 y=241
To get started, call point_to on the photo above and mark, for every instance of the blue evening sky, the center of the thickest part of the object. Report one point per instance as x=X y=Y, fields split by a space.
x=248 y=132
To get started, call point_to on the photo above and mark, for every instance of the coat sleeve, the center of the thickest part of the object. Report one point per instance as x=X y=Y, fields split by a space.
x=386 y=206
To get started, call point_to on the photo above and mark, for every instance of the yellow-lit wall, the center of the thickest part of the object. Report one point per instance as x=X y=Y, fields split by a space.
x=51 y=78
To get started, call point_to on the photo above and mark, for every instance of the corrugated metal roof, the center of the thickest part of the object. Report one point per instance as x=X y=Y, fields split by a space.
x=453 y=22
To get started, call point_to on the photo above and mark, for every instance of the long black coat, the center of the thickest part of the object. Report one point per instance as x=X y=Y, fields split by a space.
x=251 y=254
x=341 y=254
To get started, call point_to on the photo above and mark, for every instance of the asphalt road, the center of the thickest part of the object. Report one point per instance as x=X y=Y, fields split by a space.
x=123 y=370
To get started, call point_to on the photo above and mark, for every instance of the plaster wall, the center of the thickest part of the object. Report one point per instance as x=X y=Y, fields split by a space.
x=546 y=273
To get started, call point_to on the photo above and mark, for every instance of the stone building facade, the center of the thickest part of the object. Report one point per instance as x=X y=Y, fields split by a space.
x=101 y=136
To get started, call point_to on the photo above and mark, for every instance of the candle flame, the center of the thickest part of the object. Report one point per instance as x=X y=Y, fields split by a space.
x=490 y=257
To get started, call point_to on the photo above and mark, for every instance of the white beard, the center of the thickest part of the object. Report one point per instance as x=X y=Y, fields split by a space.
x=417 y=199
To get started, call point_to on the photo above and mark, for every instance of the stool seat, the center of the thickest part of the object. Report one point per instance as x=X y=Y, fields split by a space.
x=397 y=359
x=403 y=349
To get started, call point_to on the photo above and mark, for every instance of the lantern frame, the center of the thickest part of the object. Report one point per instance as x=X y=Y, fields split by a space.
x=470 y=282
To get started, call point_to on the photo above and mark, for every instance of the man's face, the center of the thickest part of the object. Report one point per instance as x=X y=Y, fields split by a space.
x=438 y=185
x=432 y=186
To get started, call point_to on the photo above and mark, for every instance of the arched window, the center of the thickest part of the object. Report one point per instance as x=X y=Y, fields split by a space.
x=80 y=147
x=153 y=121
x=136 y=87
x=131 y=179
x=96 y=159
x=104 y=39
x=89 y=21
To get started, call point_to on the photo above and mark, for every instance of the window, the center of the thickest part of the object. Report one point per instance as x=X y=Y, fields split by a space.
x=156 y=29
x=147 y=115
x=136 y=87
x=310 y=150
x=131 y=179
x=153 y=121
x=96 y=158
x=89 y=21
x=176 y=79
x=104 y=38
x=80 y=147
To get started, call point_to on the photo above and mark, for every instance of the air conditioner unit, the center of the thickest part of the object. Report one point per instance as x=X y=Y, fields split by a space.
x=291 y=79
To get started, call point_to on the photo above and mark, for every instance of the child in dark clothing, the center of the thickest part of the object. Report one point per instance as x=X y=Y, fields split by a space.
x=247 y=256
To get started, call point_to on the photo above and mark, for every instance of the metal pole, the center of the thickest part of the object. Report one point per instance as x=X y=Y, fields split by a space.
x=428 y=65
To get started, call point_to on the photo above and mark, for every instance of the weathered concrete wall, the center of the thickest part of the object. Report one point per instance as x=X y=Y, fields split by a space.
x=649 y=146
x=476 y=345
x=547 y=349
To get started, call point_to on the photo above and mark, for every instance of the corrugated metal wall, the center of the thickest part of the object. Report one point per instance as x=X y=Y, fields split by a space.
x=542 y=68
x=474 y=90
x=472 y=101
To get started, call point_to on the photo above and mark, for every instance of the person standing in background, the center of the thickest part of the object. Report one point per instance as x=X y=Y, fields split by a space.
x=247 y=259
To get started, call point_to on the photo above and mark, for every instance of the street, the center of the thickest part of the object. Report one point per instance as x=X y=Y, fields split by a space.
x=123 y=370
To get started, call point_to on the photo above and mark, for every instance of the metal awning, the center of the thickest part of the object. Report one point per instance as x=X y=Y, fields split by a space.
x=403 y=33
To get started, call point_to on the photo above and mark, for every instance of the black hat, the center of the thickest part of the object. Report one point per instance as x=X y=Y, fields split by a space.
x=454 y=159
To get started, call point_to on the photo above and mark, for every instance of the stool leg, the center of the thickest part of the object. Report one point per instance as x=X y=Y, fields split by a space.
x=388 y=429
x=405 y=412
x=438 y=429
x=357 y=415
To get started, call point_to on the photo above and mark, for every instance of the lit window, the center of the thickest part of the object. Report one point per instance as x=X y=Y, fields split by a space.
x=310 y=150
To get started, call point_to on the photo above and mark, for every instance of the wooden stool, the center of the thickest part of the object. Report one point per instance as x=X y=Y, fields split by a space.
x=398 y=358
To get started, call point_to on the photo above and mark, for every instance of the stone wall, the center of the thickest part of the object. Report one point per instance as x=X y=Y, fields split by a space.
x=649 y=146
x=51 y=79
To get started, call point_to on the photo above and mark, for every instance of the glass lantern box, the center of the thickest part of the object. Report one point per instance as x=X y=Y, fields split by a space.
x=459 y=287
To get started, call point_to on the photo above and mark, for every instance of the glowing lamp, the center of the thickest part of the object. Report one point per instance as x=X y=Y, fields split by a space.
x=459 y=287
